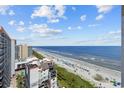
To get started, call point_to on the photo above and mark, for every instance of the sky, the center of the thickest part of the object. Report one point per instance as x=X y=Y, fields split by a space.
x=59 y=25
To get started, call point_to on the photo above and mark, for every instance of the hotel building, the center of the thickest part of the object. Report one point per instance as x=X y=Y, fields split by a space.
x=5 y=59
x=30 y=51
x=40 y=74
x=22 y=52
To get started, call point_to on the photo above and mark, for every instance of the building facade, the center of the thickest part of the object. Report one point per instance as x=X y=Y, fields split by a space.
x=13 y=47
x=41 y=74
x=52 y=75
x=22 y=52
x=5 y=59
x=30 y=51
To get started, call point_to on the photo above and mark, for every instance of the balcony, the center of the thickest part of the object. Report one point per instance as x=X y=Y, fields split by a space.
x=1 y=84
x=1 y=66
x=52 y=74
x=44 y=84
x=2 y=53
x=1 y=77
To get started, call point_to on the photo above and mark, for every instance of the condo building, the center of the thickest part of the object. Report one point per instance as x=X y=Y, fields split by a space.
x=23 y=52
x=30 y=51
x=13 y=47
x=40 y=74
x=5 y=59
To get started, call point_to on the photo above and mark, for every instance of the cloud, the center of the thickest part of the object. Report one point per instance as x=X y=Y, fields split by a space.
x=60 y=9
x=20 y=29
x=11 y=13
x=101 y=42
x=104 y=8
x=19 y=26
x=74 y=8
x=52 y=13
x=79 y=27
x=5 y=10
x=99 y=17
x=12 y=22
x=21 y=23
x=69 y=28
x=74 y=28
x=57 y=38
x=110 y=38
x=115 y=32
x=53 y=21
x=83 y=17
x=43 y=30
x=93 y=25
x=43 y=11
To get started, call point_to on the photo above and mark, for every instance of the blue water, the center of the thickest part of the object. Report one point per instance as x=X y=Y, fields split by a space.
x=108 y=56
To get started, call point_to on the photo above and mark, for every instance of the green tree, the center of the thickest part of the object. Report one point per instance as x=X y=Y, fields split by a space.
x=20 y=80
x=38 y=55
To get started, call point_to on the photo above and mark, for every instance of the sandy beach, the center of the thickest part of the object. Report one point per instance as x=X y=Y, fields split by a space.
x=99 y=76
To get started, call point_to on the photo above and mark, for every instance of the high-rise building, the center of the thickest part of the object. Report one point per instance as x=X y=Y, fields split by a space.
x=22 y=51
x=16 y=52
x=5 y=59
x=13 y=46
x=30 y=51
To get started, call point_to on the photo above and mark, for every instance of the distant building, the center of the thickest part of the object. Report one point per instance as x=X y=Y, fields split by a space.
x=22 y=51
x=13 y=47
x=16 y=52
x=19 y=50
x=30 y=51
x=5 y=59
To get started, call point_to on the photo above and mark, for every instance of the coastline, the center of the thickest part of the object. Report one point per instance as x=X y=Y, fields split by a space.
x=107 y=63
x=85 y=69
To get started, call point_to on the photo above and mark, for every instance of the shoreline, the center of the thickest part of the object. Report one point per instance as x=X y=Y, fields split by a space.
x=95 y=60
x=86 y=70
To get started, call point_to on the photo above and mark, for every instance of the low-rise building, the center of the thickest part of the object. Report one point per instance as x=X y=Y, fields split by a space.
x=41 y=74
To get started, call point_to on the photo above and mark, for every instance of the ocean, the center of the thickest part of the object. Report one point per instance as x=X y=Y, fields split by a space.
x=106 y=56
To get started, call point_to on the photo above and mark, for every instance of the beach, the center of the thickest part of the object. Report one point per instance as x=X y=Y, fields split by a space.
x=99 y=76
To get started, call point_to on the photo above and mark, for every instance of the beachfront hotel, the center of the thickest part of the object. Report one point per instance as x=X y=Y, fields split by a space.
x=5 y=59
x=23 y=51
x=30 y=51
x=40 y=74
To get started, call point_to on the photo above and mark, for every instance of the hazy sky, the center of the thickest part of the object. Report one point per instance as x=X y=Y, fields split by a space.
x=63 y=25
